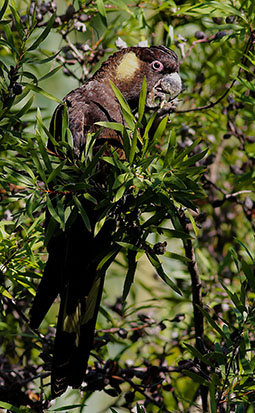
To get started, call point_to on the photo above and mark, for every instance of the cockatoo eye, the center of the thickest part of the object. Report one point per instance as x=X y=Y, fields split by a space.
x=156 y=65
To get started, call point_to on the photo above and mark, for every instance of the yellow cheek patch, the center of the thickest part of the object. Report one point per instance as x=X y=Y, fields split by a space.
x=128 y=66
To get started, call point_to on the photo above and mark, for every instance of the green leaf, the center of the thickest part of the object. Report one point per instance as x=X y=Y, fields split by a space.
x=64 y=122
x=173 y=233
x=248 y=270
x=2 y=11
x=119 y=194
x=196 y=377
x=194 y=158
x=170 y=152
x=111 y=125
x=133 y=147
x=9 y=45
x=51 y=73
x=37 y=89
x=99 y=225
x=52 y=210
x=43 y=35
x=122 y=6
x=146 y=133
x=129 y=246
x=159 y=269
x=102 y=12
x=246 y=249
x=51 y=230
x=127 y=113
x=83 y=213
x=235 y=299
x=55 y=172
x=108 y=258
x=142 y=100
x=186 y=151
x=196 y=353
x=159 y=131
x=132 y=264
x=177 y=257
x=126 y=142
x=18 y=23
x=66 y=408
x=213 y=323
x=25 y=108
x=42 y=61
x=14 y=409
x=140 y=409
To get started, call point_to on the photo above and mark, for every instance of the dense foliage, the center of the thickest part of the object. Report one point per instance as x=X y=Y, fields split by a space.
x=176 y=327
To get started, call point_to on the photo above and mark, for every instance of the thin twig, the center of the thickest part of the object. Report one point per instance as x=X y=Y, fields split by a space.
x=196 y=301
x=249 y=45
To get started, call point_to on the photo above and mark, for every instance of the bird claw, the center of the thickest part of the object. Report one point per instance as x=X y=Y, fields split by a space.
x=168 y=107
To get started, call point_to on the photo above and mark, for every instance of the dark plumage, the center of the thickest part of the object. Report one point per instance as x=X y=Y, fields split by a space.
x=71 y=269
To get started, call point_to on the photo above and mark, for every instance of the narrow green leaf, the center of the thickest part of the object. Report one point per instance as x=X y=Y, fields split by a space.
x=246 y=249
x=83 y=213
x=142 y=100
x=126 y=142
x=42 y=145
x=93 y=163
x=129 y=246
x=177 y=257
x=195 y=377
x=194 y=158
x=127 y=113
x=25 y=108
x=55 y=172
x=111 y=125
x=18 y=24
x=64 y=123
x=51 y=230
x=249 y=273
x=156 y=219
x=193 y=223
x=160 y=130
x=132 y=264
x=119 y=194
x=122 y=6
x=43 y=35
x=146 y=133
x=234 y=298
x=99 y=225
x=2 y=11
x=173 y=233
x=140 y=409
x=102 y=12
x=213 y=323
x=159 y=269
x=13 y=408
x=133 y=147
x=37 y=89
x=108 y=258
x=39 y=62
x=52 y=210
x=51 y=73
x=196 y=353
x=170 y=152
x=61 y=212
x=40 y=168
x=213 y=402
x=67 y=408
x=9 y=45
x=186 y=151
